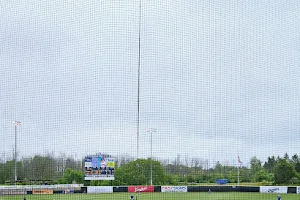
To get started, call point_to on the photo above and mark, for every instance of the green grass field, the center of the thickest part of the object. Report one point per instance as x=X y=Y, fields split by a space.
x=158 y=196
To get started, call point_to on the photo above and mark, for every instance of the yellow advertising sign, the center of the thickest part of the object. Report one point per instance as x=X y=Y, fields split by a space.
x=42 y=191
x=111 y=163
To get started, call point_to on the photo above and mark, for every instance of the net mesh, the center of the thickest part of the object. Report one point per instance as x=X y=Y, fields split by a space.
x=192 y=92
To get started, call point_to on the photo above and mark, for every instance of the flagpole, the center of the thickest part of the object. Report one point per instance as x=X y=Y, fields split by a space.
x=238 y=170
x=238 y=181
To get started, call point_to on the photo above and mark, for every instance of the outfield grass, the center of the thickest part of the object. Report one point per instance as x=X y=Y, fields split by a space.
x=158 y=196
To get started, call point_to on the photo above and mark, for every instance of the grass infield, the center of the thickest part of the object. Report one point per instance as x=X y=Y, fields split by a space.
x=157 y=196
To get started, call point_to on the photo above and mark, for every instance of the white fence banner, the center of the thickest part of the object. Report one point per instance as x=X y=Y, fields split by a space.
x=298 y=190
x=173 y=188
x=31 y=187
x=99 y=189
x=12 y=192
x=273 y=189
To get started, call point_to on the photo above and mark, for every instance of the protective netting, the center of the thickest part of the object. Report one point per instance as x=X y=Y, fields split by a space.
x=177 y=93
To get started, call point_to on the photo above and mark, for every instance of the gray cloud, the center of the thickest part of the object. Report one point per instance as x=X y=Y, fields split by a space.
x=218 y=79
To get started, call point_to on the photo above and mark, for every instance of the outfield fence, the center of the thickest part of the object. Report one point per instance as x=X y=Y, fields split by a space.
x=77 y=188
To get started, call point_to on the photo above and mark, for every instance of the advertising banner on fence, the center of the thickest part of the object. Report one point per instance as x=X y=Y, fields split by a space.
x=140 y=188
x=20 y=187
x=68 y=186
x=37 y=187
x=273 y=189
x=298 y=190
x=12 y=192
x=42 y=191
x=173 y=188
x=99 y=189
x=68 y=191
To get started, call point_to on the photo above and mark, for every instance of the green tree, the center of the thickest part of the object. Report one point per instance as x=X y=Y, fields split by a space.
x=286 y=157
x=2 y=175
x=219 y=168
x=296 y=162
x=138 y=173
x=245 y=175
x=284 y=172
x=262 y=176
x=6 y=171
x=43 y=168
x=270 y=164
x=71 y=176
x=9 y=170
x=255 y=165
x=171 y=179
x=100 y=183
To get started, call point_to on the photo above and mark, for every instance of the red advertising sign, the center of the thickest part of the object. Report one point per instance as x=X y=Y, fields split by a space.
x=140 y=188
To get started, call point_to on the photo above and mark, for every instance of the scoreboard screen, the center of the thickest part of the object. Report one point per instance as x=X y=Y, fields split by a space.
x=99 y=168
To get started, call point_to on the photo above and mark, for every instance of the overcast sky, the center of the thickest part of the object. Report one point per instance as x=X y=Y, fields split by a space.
x=218 y=78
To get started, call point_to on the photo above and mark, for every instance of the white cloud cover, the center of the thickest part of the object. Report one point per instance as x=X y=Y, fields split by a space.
x=218 y=79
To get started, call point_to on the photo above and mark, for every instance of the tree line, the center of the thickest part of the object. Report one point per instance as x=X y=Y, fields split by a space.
x=48 y=169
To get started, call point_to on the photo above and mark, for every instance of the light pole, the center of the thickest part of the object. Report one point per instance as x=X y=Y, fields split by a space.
x=16 y=123
x=138 y=83
x=151 y=130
